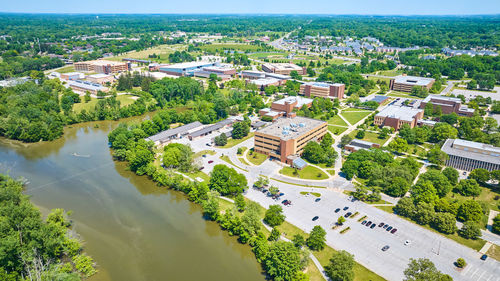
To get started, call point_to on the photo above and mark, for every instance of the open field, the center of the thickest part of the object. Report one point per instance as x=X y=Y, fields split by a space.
x=355 y=117
x=336 y=120
x=256 y=158
x=336 y=130
x=494 y=252
x=78 y=107
x=370 y=136
x=309 y=172
x=163 y=51
x=66 y=69
x=270 y=55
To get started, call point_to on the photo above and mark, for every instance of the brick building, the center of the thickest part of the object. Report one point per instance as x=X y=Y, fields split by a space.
x=405 y=83
x=396 y=116
x=448 y=105
x=283 y=68
x=101 y=66
x=285 y=107
x=325 y=90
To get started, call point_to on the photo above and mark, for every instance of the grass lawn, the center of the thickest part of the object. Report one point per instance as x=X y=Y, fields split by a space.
x=350 y=109
x=336 y=120
x=66 y=69
x=387 y=80
x=309 y=172
x=331 y=172
x=355 y=117
x=256 y=158
x=243 y=149
x=487 y=196
x=370 y=136
x=232 y=142
x=297 y=184
x=361 y=273
x=390 y=72
x=417 y=150
x=336 y=130
x=473 y=244
x=77 y=107
x=313 y=272
x=226 y=158
x=198 y=174
x=163 y=51
x=200 y=153
x=263 y=55
x=243 y=161
x=494 y=252
x=312 y=193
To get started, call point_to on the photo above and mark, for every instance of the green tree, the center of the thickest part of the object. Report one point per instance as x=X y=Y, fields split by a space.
x=274 y=235
x=221 y=140
x=437 y=156
x=250 y=221
x=341 y=267
x=346 y=139
x=445 y=223
x=398 y=187
x=469 y=187
x=283 y=261
x=424 y=191
x=240 y=203
x=422 y=270
x=317 y=239
x=360 y=134
x=399 y=145
x=274 y=216
x=470 y=230
x=227 y=181
x=461 y=263
x=211 y=205
x=442 y=131
x=470 y=210
x=327 y=141
x=424 y=213
x=451 y=174
x=240 y=130
x=480 y=175
x=340 y=220
x=496 y=224
x=298 y=240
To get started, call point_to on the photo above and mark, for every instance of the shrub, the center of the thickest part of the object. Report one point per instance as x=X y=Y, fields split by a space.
x=460 y=263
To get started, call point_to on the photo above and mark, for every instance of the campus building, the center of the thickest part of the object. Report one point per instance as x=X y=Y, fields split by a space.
x=286 y=138
x=397 y=116
x=86 y=86
x=285 y=107
x=71 y=76
x=252 y=74
x=356 y=145
x=283 y=68
x=101 y=66
x=325 y=90
x=175 y=133
x=100 y=78
x=469 y=155
x=405 y=83
x=448 y=105
x=223 y=72
x=185 y=68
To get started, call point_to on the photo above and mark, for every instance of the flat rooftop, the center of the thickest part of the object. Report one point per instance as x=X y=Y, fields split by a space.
x=218 y=68
x=400 y=112
x=463 y=148
x=265 y=81
x=104 y=62
x=191 y=64
x=291 y=128
x=86 y=85
x=99 y=75
x=413 y=80
x=283 y=66
x=323 y=84
x=429 y=98
x=300 y=101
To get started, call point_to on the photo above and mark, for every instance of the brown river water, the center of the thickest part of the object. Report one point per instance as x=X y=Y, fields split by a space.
x=133 y=229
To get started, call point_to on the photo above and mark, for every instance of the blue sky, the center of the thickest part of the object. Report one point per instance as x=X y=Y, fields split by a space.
x=379 y=7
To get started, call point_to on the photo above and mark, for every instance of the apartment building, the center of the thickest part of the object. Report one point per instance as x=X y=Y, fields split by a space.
x=101 y=66
x=405 y=83
x=469 y=155
x=321 y=89
x=448 y=105
x=397 y=116
x=286 y=138
x=283 y=68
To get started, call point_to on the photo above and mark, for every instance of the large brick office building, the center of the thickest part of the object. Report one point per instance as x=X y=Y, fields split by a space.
x=448 y=105
x=324 y=90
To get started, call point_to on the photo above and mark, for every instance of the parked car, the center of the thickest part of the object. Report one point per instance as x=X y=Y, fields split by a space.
x=201 y=168
x=337 y=210
x=204 y=156
x=385 y=248
x=315 y=218
x=348 y=214
x=381 y=224
x=284 y=201
x=264 y=190
x=281 y=194
x=364 y=222
x=385 y=226
x=389 y=228
x=210 y=161
x=369 y=223
x=484 y=257
x=317 y=200
x=345 y=208
x=394 y=230
x=373 y=226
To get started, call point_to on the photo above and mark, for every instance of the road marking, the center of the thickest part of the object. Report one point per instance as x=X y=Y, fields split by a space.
x=467 y=269
x=474 y=272
x=480 y=276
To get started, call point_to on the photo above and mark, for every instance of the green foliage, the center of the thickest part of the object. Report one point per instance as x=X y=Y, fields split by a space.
x=240 y=130
x=405 y=207
x=320 y=153
x=399 y=145
x=317 y=239
x=240 y=203
x=178 y=57
x=360 y=134
x=496 y=224
x=468 y=187
x=451 y=174
x=250 y=221
x=438 y=180
x=274 y=235
x=480 y=175
x=227 y=181
x=461 y=263
x=341 y=267
x=84 y=264
x=283 y=261
x=470 y=210
x=422 y=270
x=340 y=220
x=211 y=205
x=470 y=230
x=298 y=240
x=220 y=140
x=444 y=223
x=274 y=215
x=179 y=156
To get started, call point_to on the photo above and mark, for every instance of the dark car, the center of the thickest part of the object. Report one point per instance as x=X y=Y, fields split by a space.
x=337 y=210
x=369 y=223
x=204 y=156
x=348 y=214
x=394 y=230
x=210 y=161
x=281 y=194
x=385 y=226
x=315 y=218
x=385 y=248
x=373 y=226
x=345 y=208
x=484 y=257
x=264 y=190
x=364 y=222
x=284 y=201
x=317 y=200
x=389 y=228
x=381 y=224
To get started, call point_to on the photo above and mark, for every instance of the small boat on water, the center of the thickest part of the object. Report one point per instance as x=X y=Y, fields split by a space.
x=80 y=155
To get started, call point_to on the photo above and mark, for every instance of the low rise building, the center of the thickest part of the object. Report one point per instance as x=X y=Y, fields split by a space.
x=321 y=89
x=185 y=68
x=396 y=116
x=71 y=76
x=101 y=78
x=283 y=68
x=356 y=145
x=448 y=105
x=469 y=155
x=405 y=83
x=86 y=86
x=286 y=138
x=175 y=133
x=285 y=107
x=211 y=129
x=102 y=66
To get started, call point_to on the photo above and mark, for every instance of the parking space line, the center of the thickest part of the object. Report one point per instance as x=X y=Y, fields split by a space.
x=467 y=269
x=480 y=276
x=475 y=271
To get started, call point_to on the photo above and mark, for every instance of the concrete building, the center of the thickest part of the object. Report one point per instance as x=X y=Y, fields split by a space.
x=175 y=133
x=356 y=145
x=86 y=86
x=469 y=155
x=100 y=78
x=223 y=71
x=71 y=76
x=405 y=83
x=286 y=138
x=325 y=90
x=211 y=129
x=185 y=68
x=265 y=82
x=448 y=105
x=101 y=66
x=397 y=116
x=283 y=68
x=285 y=107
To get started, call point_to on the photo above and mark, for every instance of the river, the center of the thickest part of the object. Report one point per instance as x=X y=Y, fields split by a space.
x=133 y=229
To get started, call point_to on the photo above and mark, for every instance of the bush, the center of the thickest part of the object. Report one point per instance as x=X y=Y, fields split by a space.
x=360 y=134
x=460 y=263
x=496 y=224
x=470 y=230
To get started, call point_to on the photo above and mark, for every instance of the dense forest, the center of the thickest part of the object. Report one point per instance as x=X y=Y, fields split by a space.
x=33 y=248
